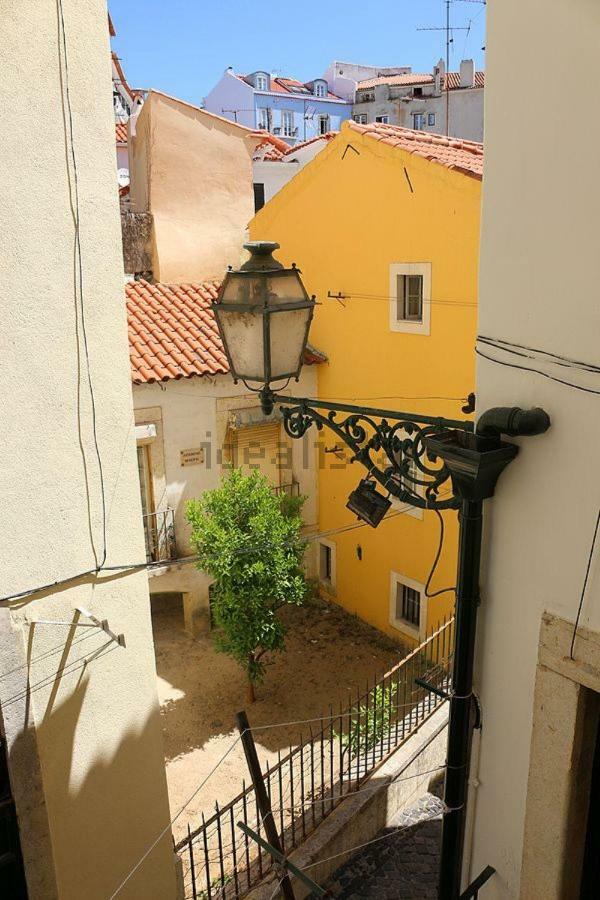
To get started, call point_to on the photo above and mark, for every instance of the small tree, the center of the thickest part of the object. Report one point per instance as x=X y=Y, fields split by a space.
x=248 y=539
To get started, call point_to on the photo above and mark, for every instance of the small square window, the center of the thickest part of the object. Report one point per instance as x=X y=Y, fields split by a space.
x=320 y=90
x=408 y=604
x=383 y=120
x=323 y=124
x=410 y=298
x=326 y=562
x=361 y=118
x=419 y=121
x=261 y=83
x=431 y=118
x=418 y=92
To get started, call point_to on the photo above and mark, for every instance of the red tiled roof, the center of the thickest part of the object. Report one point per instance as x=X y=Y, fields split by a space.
x=291 y=86
x=173 y=332
x=454 y=80
x=395 y=79
x=407 y=80
x=121 y=132
x=462 y=156
x=267 y=152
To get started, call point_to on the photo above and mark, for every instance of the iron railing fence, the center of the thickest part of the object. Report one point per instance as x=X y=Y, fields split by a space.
x=331 y=761
x=290 y=490
x=159 y=532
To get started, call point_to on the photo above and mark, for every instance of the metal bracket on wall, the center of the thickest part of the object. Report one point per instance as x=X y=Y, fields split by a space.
x=93 y=623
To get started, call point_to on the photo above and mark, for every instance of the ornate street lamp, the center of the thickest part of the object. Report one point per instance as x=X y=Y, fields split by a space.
x=264 y=314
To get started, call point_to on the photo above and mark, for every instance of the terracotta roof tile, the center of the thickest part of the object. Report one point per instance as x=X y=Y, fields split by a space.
x=462 y=156
x=121 y=132
x=413 y=78
x=267 y=152
x=173 y=332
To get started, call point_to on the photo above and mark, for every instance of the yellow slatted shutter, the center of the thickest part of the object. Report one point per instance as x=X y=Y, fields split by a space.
x=258 y=447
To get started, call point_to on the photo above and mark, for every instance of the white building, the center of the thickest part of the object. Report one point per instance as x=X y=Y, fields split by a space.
x=533 y=806
x=344 y=76
x=82 y=779
x=273 y=166
x=191 y=424
x=426 y=102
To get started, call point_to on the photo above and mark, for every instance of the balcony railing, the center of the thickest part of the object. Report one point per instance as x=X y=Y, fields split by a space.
x=159 y=531
x=290 y=490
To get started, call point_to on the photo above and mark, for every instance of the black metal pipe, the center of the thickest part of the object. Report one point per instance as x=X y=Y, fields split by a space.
x=460 y=727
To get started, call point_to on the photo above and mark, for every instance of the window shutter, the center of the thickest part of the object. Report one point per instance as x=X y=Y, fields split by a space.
x=259 y=448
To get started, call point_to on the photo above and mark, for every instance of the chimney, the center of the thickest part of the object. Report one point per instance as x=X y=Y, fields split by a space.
x=467 y=73
x=438 y=76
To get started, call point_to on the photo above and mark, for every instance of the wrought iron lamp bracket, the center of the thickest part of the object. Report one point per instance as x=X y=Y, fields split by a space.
x=391 y=445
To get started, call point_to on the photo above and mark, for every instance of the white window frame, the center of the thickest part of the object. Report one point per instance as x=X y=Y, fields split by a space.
x=430 y=119
x=382 y=120
x=261 y=82
x=402 y=625
x=420 y=115
x=328 y=584
x=320 y=89
x=360 y=118
x=284 y=130
x=263 y=112
x=324 y=118
x=409 y=326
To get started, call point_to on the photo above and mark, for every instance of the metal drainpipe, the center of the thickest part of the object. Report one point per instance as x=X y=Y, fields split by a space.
x=460 y=728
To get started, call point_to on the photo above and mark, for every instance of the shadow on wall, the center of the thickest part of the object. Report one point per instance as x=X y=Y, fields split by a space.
x=101 y=821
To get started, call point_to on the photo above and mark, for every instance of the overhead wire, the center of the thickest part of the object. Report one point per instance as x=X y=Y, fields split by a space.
x=510 y=365
x=584 y=588
x=76 y=212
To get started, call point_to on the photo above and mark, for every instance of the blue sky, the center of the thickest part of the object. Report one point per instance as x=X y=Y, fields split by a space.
x=182 y=47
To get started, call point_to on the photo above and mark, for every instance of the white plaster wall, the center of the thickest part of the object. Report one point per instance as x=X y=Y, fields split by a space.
x=231 y=93
x=194 y=415
x=540 y=268
x=86 y=757
x=274 y=175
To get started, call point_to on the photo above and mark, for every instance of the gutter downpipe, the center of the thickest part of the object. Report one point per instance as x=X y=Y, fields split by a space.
x=475 y=462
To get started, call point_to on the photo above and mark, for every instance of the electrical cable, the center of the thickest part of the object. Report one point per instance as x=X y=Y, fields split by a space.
x=77 y=225
x=575 y=363
x=447 y=590
x=584 y=588
x=508 y=365
x=125 y=567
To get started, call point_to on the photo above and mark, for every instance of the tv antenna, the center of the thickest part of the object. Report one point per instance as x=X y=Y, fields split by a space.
x=449 y=29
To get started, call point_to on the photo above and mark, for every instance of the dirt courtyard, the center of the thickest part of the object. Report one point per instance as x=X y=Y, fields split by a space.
x=328 y=654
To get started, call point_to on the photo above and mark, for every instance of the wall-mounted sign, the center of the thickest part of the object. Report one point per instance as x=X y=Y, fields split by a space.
x=192 y=457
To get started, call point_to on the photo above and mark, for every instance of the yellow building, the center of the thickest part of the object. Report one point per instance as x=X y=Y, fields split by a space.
x=384 y=225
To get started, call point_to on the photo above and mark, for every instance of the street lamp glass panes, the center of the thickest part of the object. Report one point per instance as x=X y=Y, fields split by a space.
x=288 y=326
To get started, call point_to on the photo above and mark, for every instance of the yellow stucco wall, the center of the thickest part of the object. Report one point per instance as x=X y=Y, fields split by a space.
x=344 y=219
x=80 y=713
x=193 y=171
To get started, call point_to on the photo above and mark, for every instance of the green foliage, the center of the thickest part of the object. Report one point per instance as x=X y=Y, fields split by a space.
x=248 y=539
x=370 y=724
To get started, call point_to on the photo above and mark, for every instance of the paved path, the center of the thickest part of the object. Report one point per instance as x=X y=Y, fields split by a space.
x=400 y=867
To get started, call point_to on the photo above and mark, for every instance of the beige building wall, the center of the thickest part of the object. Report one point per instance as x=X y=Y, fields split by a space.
x=194 y=414
x=79 y=712
x=539 y=272
x=193 y=171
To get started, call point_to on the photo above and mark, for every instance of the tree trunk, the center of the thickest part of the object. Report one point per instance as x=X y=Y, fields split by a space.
x=250 y=695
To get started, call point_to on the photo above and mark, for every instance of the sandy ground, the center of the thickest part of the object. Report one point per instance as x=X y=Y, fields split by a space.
x=328 y=654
